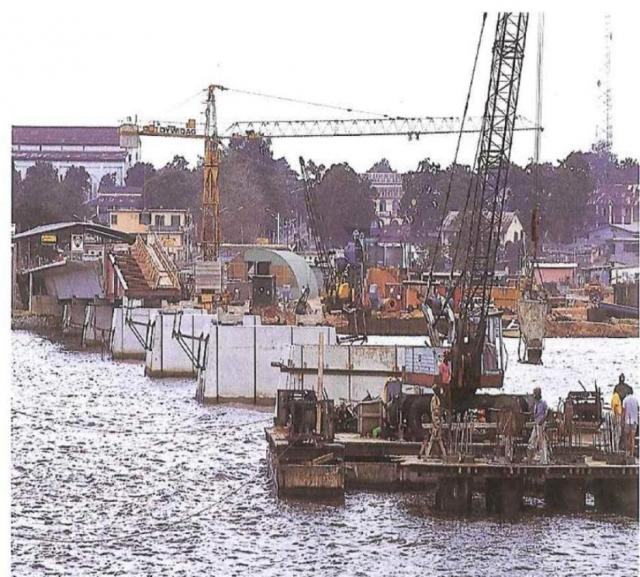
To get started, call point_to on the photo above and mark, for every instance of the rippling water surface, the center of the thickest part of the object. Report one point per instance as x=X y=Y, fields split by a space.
x=117 y=474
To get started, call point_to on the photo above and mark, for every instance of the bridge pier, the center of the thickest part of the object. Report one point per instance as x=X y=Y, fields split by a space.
x=503 y=496
x=453 y=494
x=565 y=494
x=616 y=496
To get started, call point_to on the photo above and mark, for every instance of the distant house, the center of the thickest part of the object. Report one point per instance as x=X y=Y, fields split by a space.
x=112 y=198
x=387 y=184
x=606 y=246
x=172 y=227
x=392 y=232
x=98 y=149
x=560 y=273
x=510 y=231
x=615 y=204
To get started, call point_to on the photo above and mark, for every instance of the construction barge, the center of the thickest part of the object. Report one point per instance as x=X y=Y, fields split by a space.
x=350 y=462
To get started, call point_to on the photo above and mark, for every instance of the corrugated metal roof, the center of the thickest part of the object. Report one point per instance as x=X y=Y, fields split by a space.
x=90 y=227
x=301 y=270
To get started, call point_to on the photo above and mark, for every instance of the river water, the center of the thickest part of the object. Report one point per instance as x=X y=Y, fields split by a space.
x=117 y=474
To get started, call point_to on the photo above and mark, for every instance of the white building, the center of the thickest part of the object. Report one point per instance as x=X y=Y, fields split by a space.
x=510 y=231
x=96 y=148
x=388 y=187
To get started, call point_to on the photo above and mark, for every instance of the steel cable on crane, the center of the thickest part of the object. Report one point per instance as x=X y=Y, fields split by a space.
x=457 y=151
x=455 y=283
x=308 y=102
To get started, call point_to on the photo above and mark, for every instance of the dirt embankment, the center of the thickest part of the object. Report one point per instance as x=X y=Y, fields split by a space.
x=25 y=321
x=583 y=328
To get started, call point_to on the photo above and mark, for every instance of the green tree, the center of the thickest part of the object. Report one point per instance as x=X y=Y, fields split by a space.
x=107 y=180
x=139 y=173
x=344 y=202
x=36 y=201
x=16 y=194
x=72 y=192
x=254 y=188
x=173 y=186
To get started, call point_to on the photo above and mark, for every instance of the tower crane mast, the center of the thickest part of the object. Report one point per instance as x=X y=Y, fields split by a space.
x=210 y=225
x=210 y=231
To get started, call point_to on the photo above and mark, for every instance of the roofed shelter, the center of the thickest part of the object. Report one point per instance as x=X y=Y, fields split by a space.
x=63 y=260
x=290 y=269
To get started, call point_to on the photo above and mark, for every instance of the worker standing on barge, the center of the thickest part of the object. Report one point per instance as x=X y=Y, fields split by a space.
x=436 y=427
x=630 y=419
x=538 y=439
x=616 y=409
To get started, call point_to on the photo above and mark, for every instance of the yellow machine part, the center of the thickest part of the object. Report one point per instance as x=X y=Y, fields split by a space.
x=344 y=291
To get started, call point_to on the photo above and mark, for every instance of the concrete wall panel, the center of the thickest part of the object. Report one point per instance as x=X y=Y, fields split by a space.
x=124 y=343
x=167 y=357
x=97 y=324
x=239 y=358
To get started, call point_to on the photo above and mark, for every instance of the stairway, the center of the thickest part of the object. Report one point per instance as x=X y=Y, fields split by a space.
x=146 y=272
x=132 y=274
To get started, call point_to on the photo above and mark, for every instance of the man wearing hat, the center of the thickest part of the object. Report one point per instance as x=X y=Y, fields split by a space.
x=538 y=439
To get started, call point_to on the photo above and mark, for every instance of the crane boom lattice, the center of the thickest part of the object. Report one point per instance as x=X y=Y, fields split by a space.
x=413 y=127
x=489 y=185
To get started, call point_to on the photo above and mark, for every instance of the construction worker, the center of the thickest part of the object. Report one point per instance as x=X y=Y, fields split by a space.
x=623 y=388
x=436 y=426
x=538 y=439
x=444 y=369
x=616 y=409
x=630 y=419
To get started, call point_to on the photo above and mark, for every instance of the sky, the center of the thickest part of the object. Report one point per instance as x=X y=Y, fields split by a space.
x=98 y=67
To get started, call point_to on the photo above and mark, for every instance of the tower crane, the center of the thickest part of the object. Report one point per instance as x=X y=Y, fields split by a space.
x=210 y=232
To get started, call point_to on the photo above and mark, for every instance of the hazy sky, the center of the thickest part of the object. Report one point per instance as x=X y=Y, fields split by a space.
x=95 y=66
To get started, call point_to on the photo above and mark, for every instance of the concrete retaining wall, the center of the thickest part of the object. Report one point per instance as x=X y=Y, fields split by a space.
x=73 y=318
x=237 y=365
x=46 y=305
x=98 y=321
x=124 y=342
x=166 y=357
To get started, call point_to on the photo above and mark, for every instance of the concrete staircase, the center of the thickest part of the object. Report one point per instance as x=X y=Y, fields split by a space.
x=148 y=271
x=132 y=274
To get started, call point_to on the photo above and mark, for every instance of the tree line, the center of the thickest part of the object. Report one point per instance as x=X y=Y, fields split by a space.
x=255 y=187
x=560 y=192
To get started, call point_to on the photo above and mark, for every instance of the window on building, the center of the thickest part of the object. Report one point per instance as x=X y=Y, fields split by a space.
x=175 y=220
x=144 y=218
x=114 y=219
x=159 y=220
